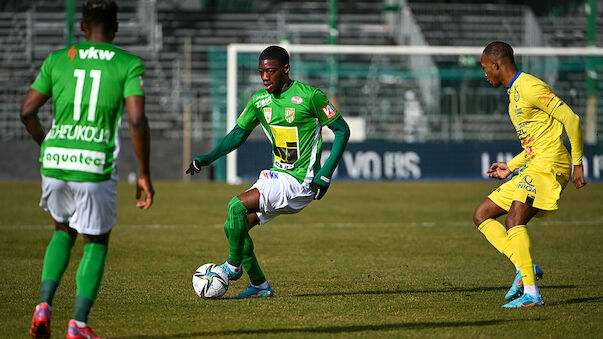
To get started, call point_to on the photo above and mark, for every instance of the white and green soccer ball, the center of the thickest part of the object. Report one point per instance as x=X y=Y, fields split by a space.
x=210 y=281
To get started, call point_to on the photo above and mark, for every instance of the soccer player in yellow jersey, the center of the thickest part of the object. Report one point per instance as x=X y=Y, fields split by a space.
x=539 y=117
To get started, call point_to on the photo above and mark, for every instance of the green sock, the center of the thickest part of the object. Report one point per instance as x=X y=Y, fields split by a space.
x=250 y=263
x=88 y=278
x=236 y=228
x=55 y=262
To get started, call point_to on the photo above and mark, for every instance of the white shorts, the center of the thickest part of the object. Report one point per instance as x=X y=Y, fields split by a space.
x=280 y=193
x=88 y=207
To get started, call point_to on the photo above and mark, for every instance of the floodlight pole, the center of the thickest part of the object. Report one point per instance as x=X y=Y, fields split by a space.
x=590 y=123
x=69 y=19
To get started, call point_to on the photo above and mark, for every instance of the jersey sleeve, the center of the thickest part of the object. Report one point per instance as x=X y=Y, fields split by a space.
x=43 y=82
x=541 y=96
x=134 y=79
x=323 y=109
x=248 y=119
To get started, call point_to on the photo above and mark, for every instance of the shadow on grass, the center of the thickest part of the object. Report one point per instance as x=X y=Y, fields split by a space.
x=437 y=290
x=334 y=329
x=577 y=301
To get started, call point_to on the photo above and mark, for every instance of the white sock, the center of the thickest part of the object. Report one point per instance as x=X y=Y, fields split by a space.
x=234 y=268
x=261 y=286
x=531 y=290
x=80 y=324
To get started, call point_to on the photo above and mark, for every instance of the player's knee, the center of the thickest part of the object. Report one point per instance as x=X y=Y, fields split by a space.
x=479 y=216
x=236 y=207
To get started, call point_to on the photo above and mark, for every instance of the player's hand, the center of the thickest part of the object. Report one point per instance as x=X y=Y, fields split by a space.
x=578 y=176
x=194 y=167
x=319 y=186
x=144 y=184
x=499 y=170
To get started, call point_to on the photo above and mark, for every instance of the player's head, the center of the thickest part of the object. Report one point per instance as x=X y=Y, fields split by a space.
x=274 y=69
x=497 y=62
x=100 y=15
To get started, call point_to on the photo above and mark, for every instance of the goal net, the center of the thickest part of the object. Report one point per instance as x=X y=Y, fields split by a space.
x=415 y=95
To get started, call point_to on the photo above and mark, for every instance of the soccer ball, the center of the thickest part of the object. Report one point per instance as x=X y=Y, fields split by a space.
x=210 y=281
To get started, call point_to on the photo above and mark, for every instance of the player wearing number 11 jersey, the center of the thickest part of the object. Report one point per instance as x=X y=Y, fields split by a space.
x=89 y=83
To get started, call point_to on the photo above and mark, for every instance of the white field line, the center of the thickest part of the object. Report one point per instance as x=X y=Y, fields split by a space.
x=326 y=225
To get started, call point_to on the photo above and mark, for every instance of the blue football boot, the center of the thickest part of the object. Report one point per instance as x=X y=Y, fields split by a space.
x=231 y=274
x=516 y=289
x=526 y=300
x=254 y=292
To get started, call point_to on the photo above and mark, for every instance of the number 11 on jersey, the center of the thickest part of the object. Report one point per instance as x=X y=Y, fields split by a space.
x=80 y=75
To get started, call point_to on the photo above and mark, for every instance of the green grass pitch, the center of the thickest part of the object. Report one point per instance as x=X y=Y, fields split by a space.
x=398 y=259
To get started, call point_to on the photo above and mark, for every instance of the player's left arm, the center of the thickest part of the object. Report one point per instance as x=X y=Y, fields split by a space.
x=322 y=179
x=547 y=101
x=29 y=114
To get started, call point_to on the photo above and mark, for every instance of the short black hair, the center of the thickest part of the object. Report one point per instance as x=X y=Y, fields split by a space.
x=100 y=12
x=499 y=50
x=275 y=53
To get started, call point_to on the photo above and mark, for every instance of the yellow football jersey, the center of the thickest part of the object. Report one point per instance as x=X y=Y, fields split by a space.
x=539 y=117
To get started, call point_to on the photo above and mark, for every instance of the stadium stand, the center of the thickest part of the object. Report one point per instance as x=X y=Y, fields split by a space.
x=157 y=31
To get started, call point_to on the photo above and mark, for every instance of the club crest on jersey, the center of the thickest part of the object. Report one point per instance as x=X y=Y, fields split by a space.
x=297 y=100
x=268 y=113
x=289 y=114
x=515 y=94
x=329 y=111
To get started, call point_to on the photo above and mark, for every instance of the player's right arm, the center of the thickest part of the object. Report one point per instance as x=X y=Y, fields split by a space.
x=235 y=138
x=29 y=114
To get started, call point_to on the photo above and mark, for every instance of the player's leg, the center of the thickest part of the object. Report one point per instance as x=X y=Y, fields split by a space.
x=484 y=218
x=94 y=219
x=519 y=215
x=89 y=276
x=258 y=286
x=237 y=227
x=56 y=260
x=58 y=200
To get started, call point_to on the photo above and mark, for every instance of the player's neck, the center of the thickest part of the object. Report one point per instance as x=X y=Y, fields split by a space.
x=509 y=76
x=98 y=37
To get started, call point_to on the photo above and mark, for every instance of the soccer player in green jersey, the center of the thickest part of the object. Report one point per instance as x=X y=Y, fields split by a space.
x=89 y=83
x=539 y=117
x=292 y=115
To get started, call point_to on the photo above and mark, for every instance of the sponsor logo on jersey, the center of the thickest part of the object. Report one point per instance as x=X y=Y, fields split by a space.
x=297 y=100
x=329 y=111
x=518 y=111
x=95 y=54
x=546 y=98
x=526 y=184
x=264 y=102
x=268 y=113
x=74 y=159
x=285 y=146
x=141 y=82
x=526 y=142
x=289 y=114
x=269 y=174
x=72 y=53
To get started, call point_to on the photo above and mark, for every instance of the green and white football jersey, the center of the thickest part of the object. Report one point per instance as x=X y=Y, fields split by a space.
x=88 y=83
x=292 y=121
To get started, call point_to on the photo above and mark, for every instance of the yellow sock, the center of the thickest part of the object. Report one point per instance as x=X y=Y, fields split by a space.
x=521 y=245
x=496 y=234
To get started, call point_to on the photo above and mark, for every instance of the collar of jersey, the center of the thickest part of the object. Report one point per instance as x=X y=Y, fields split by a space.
x=513 y=80
x=288 y=88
